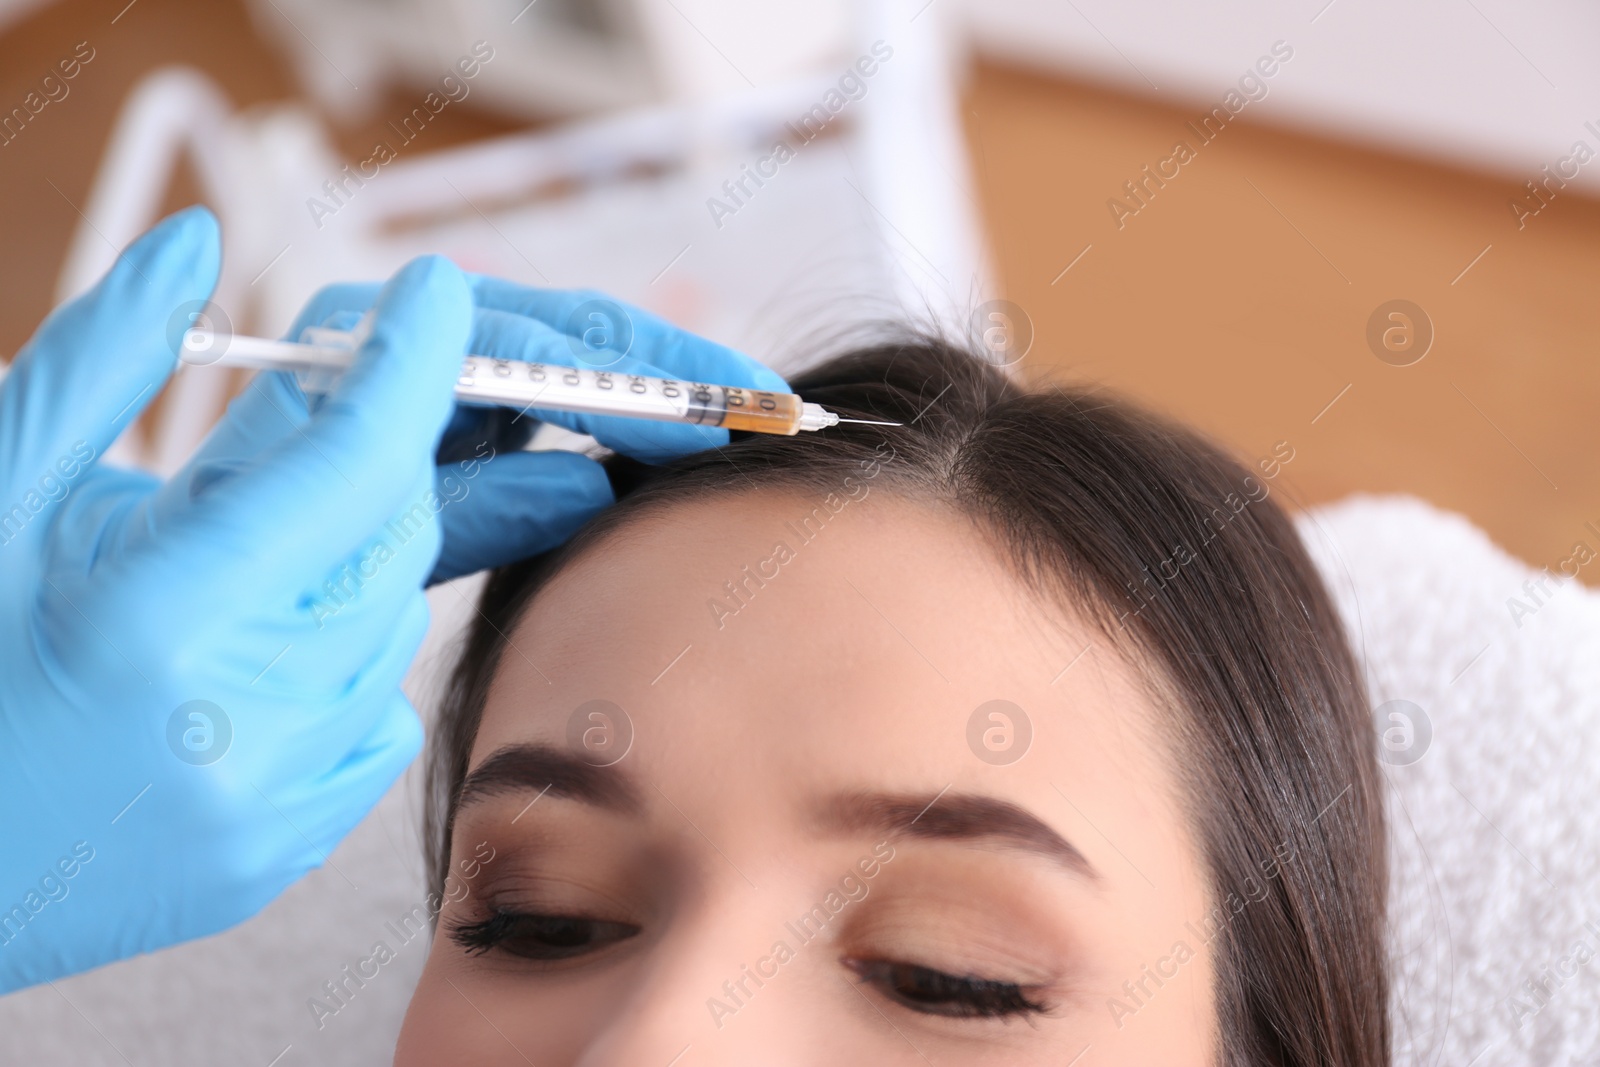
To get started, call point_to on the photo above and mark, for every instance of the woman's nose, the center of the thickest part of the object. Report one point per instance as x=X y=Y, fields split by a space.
x=731 y=989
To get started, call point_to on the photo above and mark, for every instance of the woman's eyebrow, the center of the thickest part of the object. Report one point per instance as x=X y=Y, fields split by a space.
x=540 y=768
x=952 y=816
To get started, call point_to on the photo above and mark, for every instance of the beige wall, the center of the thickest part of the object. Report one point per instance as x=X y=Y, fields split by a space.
x=1237 y=299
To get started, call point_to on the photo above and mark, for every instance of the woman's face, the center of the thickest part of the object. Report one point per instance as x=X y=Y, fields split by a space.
x=741 y=795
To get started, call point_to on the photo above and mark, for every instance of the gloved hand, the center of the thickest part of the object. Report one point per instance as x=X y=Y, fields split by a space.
x=199 y=679
x=500 y=504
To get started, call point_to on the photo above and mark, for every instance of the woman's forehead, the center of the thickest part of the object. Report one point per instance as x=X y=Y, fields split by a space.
x=912 y=592
x=886 y=640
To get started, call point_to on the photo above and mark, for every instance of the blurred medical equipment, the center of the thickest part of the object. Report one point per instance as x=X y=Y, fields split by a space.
x=485 y=381
x=865 y=217
x=562 y=57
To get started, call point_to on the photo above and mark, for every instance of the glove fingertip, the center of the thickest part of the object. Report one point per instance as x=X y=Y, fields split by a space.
x=190 y=239
x=423 y=318
x=517 y=505
x=586 y=478
x=330 y=300
x=442 y=278
x=404 y=736
x=394 y=741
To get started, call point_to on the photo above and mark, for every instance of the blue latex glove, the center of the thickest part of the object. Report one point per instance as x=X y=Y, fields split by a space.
x=504 y=504
x=199 y=679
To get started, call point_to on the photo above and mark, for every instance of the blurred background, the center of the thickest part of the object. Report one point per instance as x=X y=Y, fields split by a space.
x=1366 y=236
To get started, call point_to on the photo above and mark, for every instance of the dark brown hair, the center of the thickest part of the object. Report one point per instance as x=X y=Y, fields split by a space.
x=1176 y=553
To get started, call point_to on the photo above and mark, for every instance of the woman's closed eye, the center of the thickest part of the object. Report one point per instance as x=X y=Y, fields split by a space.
x=934 y=992
x=539 y=937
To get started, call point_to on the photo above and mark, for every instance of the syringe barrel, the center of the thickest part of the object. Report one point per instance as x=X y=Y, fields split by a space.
x=598 y=391
x=323 y=354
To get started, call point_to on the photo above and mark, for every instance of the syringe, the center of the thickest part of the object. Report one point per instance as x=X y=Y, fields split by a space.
x=323 y=354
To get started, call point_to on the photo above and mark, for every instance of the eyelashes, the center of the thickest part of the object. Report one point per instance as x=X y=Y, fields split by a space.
x=934 y=992
x=549 y=938
x=539 y=937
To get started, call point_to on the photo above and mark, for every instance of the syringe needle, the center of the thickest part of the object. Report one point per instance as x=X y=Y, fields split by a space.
x=872 y=422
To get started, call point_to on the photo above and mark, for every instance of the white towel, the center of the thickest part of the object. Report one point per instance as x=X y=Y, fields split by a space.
x=1495 y=829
